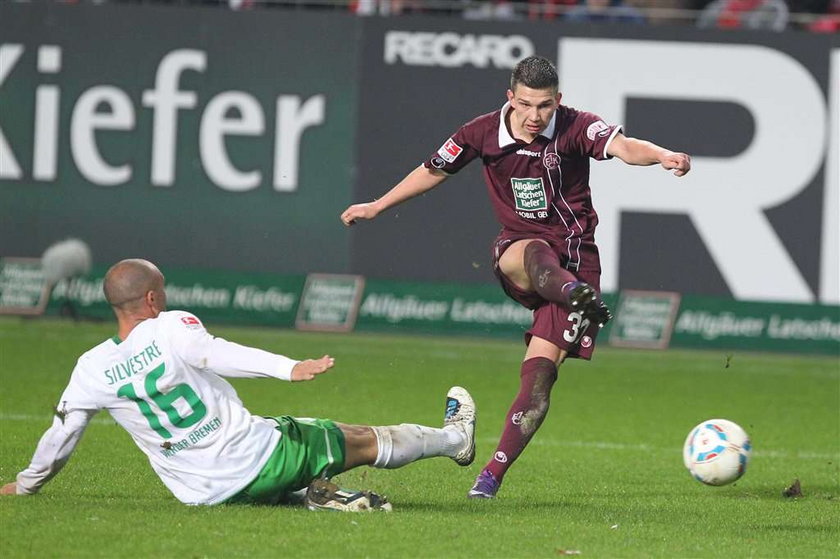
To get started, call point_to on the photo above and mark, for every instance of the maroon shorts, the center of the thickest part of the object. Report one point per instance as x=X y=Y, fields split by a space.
x=567 y=330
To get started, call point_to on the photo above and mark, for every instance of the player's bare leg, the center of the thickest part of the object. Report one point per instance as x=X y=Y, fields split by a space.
x=526 y=414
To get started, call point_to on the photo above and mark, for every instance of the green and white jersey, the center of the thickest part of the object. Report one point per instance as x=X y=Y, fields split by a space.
x=162 y=385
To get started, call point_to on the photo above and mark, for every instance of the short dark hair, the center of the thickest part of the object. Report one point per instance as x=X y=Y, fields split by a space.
x=535 y=72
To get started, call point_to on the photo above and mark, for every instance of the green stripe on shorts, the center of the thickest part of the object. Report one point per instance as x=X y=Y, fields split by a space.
x=308 y=449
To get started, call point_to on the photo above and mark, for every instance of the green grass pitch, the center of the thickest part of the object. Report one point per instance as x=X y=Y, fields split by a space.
x=602 y=478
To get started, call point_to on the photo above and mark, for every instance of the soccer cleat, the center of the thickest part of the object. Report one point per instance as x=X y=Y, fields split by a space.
x=583 y=298
x=485 y=486
x=460 y=414
x=599 y=312
x=325 y=495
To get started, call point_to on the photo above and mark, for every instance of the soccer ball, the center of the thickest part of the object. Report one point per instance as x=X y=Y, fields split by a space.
x=717 y=452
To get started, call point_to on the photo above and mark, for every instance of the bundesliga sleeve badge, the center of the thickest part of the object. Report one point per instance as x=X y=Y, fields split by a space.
x=191 y=322
x=450 y=151
x=598 y=127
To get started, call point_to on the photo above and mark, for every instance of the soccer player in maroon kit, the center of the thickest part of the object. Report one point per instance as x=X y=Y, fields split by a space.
x=536 y=166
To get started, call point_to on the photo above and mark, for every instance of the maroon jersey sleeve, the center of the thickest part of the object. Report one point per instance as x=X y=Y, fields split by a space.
x=591 y=135
x=461 y=148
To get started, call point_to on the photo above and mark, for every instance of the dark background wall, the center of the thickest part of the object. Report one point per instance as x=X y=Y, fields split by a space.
x=379 y=118
x=410 y=105
x=193 y=221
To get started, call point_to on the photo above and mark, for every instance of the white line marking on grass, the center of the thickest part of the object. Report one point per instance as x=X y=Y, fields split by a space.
x=603 y=445
x=597 y=445
x=47 y=419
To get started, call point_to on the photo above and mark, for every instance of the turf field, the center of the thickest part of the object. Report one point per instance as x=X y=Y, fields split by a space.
x=602 y=478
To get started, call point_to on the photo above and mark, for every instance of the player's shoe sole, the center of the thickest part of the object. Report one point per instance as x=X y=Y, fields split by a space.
x=460 y=414
x=324 y=495
x=583 y=298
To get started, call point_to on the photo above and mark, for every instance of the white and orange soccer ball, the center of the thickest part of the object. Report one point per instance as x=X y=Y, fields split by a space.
x=717 y=452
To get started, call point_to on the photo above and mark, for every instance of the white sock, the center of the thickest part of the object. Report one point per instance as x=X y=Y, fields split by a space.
x=402 y=444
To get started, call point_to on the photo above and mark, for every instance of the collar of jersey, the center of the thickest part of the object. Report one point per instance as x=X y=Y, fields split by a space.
x=505 y=138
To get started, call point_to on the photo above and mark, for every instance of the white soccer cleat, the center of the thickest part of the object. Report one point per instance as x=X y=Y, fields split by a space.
x=325 y=495
x=460 y=414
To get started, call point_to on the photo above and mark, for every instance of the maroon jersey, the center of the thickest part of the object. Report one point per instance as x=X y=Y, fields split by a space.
x=539 y=188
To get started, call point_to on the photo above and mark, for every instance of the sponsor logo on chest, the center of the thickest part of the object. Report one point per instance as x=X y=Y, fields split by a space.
x=529 y=194
x=528 y=153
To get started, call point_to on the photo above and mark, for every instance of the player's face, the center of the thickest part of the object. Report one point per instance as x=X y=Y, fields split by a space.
x=533 y=109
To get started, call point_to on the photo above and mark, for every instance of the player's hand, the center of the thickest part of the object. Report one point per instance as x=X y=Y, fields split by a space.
x=308 y=369
x=359 y=211
x=680 y=163
x=9 y=489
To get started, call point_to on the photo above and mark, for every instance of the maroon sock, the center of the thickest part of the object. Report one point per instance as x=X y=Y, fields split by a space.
x=525 y=415
x=545 y=272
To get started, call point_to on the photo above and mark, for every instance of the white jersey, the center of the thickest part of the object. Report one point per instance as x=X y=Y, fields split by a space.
x=161 y=384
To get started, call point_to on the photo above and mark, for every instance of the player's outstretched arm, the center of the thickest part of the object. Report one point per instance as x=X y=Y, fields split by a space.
x=52 y=453
x=641 y=152
x=417 y=182
x=308 y=369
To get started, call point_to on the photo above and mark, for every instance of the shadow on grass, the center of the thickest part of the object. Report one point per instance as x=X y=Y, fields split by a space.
x=483 y=506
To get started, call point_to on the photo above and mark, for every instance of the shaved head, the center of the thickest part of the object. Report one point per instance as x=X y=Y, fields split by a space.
x=128 y=281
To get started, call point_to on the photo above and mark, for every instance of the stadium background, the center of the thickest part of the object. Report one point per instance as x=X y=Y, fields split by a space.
x=89 y=85
x=223 y=145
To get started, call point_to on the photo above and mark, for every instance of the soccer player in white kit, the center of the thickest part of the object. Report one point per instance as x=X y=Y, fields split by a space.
x=160 y=379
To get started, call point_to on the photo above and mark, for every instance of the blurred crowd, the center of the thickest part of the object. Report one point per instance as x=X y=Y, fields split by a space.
x=818 y=16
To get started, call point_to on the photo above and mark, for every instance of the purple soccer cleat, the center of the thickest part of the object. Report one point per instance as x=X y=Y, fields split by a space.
x=485 y=486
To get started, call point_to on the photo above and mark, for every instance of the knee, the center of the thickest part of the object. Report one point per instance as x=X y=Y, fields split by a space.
x=361 y=445
x=359 y=437
x=543 y=375
x=535 y=247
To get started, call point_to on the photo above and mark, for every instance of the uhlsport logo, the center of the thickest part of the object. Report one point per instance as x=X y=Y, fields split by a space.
x=529 y=194
x=500 y=457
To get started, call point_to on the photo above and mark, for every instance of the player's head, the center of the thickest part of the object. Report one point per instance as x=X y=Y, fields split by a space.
x=135 y=286
x=533 y=94
x=535 y=72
